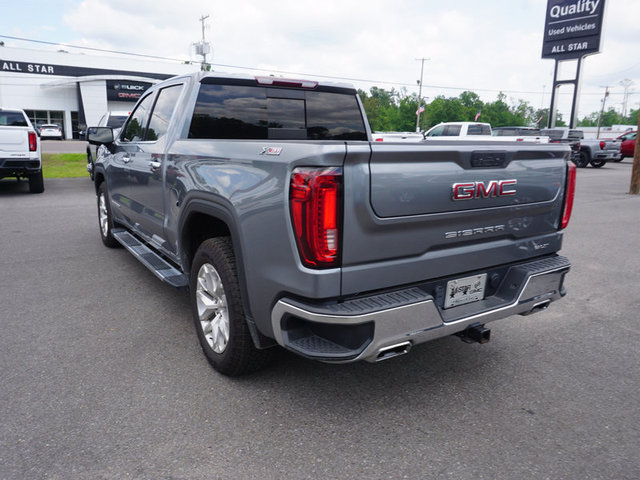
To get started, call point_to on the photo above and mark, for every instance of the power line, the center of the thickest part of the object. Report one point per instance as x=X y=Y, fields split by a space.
x=92 y=49
x=284 y=72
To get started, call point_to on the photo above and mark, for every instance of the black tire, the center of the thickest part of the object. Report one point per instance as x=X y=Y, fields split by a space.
x=619 y=159
x=105 y=219
x=91 y=162
x=36 y=182
x=598 y=163
x=221 y=326
x=583 y=159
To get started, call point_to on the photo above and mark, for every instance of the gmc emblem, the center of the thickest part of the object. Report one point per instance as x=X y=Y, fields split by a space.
x=490 y=189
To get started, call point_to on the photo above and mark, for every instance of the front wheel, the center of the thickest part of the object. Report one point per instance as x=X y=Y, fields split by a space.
x=105 y=219
x=90 y=165
x=218 y=313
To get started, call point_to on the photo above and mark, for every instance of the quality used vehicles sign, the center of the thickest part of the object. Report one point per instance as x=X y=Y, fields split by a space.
x=572 y=28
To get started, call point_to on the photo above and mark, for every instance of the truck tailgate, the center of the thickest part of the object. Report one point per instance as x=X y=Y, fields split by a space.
x=14 y=141
x=422 y=211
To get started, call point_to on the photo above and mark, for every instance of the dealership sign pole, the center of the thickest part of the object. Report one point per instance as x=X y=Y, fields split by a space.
x=572 y=31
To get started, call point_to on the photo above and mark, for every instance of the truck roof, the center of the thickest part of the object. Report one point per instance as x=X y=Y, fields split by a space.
x=267 y=80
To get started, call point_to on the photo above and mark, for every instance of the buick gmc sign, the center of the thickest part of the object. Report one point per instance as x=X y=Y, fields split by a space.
x=125 y=91
x=572 y=28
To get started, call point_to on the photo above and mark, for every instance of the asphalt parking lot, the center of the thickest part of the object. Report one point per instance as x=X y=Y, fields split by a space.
x=102 y=376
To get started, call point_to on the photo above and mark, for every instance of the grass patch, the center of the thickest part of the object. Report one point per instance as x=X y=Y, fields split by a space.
x=64 y=165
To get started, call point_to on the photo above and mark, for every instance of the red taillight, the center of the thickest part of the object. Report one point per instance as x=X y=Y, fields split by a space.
x=379 y=139
x=33 y=142
x=570 y=191
x=602 y=144
x=315 y=195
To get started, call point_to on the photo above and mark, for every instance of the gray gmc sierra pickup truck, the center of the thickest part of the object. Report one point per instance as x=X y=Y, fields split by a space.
x=269 y=201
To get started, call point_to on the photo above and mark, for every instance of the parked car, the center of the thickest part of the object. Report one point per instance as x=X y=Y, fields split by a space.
x=51 y=131
x=568 y=136
x=20 y=149
x=596 y=152
x=627 y=144
x=113 y=120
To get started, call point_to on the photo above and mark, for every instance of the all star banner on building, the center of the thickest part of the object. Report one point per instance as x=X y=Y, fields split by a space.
x=572 y=28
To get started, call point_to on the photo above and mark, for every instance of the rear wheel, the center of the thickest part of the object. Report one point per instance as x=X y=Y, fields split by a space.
x=36 y=182
x=583 y=159
x=598 y=163
x=619 y=159
x=218 y=313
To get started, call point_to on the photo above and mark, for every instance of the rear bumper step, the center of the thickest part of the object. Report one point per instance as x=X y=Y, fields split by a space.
x=150 y=259
x=380 y=326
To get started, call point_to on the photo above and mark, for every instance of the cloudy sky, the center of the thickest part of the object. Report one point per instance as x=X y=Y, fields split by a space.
x=483 y=46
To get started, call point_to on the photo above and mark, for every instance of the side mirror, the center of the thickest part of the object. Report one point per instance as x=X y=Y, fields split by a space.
x=100 y=135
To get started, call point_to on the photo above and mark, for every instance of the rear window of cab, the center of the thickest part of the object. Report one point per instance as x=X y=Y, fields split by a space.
x=253 y=112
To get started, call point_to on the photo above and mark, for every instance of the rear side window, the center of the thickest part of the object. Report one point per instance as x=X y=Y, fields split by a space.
x=13 y=119
x=477 y=129
x=576 y=134
x=260 y=113
x=553 y=134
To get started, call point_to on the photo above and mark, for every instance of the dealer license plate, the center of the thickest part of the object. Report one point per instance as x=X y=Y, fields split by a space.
x=465 y=290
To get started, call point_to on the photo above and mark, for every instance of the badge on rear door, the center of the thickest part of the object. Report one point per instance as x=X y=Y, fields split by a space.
x=271 y=151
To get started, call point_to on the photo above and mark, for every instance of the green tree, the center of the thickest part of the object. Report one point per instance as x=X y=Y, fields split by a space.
x=395 y=110
x=497 y=113
x=443 y=109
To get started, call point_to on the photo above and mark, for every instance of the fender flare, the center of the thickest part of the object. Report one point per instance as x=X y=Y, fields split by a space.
x=221 y=209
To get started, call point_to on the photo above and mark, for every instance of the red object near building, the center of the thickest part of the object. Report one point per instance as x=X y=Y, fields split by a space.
x=628 y=144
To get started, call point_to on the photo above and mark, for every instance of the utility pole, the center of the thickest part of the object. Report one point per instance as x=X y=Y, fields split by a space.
x=635 y=171
x=203 y=48
x=626 y=83
x=604 y=100
x=420 y=93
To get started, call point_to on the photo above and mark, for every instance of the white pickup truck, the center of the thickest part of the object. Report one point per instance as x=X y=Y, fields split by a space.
x=475 y=131
x=20 y=149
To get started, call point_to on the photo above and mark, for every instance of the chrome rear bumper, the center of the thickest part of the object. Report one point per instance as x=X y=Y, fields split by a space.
x=366 y=328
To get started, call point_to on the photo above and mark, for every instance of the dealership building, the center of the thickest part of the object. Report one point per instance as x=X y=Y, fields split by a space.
x=75 y=90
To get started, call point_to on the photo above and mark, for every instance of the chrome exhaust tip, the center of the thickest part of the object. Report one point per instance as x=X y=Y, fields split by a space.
x=393 y=351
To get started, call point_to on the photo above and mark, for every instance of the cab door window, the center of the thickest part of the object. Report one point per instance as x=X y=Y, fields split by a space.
x=165 y=104
x=134 y=129
x=436 y=132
